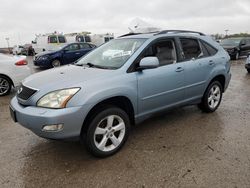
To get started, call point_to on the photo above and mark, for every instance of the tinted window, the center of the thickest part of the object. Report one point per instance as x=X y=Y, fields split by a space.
x=204 y=50
x=52 y=39
x=61 y=39
x=164 y=51
x=191 y=48
x=72 y=47
x=84 y=46
x=87 y=39
x=92 y=45
x=211 y=50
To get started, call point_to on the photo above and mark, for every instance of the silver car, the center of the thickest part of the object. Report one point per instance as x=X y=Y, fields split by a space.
x=122 y=83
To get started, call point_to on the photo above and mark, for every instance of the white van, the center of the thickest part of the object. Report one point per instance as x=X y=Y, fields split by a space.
x=99 y=39
x=78 y=37
x=48 y=42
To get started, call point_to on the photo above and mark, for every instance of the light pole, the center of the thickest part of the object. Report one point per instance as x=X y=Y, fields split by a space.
x=7 y=39
x=226 y=31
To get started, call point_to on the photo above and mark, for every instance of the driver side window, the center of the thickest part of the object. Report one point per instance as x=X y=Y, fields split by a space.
x=164 y=51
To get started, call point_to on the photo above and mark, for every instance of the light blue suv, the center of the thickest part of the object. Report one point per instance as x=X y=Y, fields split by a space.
x=121 y=83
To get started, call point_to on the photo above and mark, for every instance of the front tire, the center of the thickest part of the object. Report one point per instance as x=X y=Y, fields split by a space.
x=211 y=98
x=248 y=70
x=5 y=85
x=56 y=63
x=107 y=132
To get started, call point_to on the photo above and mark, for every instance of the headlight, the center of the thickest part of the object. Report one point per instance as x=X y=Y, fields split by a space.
x=43 y=57
x=57 y=99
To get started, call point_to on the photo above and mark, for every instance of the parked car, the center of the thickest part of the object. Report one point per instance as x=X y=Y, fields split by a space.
x=13 y=70
x=28 y=50
x=120 y=83
x=236 y=47
x=65 y=55
x=17 y=50
x=247 y=65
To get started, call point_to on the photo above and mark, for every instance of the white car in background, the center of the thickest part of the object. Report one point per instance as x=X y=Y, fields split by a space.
x=17 y=49
x=13 y=69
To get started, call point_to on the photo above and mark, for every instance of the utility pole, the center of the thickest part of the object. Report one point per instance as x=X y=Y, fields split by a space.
x=226 y=31
x=7 y=39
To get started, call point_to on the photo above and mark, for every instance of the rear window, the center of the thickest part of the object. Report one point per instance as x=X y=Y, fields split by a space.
x=211 y=50
x=61 y=39
x=84 y=46
x=52 y=39
x=87 y=39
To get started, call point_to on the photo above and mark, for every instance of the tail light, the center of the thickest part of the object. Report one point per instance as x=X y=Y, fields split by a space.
x=21 y=63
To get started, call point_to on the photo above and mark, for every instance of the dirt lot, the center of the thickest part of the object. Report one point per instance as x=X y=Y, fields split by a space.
x=183 y=148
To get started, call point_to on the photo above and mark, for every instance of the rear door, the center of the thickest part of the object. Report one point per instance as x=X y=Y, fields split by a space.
x=84 y=48
x=245 y=46
x=199 y=62
x=71 y=53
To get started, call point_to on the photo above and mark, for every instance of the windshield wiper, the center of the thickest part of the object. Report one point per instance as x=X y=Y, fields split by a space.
x=98 y=66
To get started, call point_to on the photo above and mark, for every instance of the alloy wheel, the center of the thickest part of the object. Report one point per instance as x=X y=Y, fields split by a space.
x=109 y=133
x=4 y=86
x=214 y=97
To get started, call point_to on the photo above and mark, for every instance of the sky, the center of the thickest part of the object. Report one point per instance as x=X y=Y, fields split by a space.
x=21 y=20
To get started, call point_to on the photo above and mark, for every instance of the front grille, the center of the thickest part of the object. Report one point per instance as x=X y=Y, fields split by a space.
x=25 y=93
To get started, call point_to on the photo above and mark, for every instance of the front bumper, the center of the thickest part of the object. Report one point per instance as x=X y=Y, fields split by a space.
x=42 y=63
x=35 y=118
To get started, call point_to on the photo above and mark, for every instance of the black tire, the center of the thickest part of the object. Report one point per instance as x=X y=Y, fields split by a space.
x=90 y=139
x=56 y=63
x=248 y=70
x=236 y=56
x=205 y=105
x=5 y=81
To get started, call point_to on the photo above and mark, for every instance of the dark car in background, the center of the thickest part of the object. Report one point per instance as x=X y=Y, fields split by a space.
x=64 y=55
x=236 y=47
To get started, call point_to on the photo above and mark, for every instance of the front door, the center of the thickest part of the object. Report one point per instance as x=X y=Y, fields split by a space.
x=161 y=87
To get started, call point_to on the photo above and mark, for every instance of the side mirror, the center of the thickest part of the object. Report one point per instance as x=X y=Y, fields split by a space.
x=148 y=63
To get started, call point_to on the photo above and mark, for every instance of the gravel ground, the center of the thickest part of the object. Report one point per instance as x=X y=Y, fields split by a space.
x=182 y=148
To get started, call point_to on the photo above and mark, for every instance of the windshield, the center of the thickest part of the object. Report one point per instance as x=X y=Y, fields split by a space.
x=113 y=54
x=230 y=42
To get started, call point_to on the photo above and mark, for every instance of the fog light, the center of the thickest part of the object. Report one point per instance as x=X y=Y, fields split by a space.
x=57 y=127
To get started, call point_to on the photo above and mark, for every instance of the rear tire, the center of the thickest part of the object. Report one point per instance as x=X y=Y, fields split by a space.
x=212 y=97
x=5 y=85
x=248 y=70
x=107 y=132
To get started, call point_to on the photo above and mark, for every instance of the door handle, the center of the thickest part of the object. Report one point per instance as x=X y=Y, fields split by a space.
x=179 y=69
x=211 y=62
x=77 y=53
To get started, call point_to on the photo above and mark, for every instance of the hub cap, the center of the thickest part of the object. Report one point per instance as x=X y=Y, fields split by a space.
x=109 y=133
x=56 y=63
x=4 y=86
x=214 y=97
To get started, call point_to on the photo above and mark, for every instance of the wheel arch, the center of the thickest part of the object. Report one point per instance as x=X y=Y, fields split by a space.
x=119 y=101
x=220 y=78
x=11 y=81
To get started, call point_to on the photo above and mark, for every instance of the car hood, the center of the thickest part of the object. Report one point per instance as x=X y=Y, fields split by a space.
x=46 y=53
x=64 y=77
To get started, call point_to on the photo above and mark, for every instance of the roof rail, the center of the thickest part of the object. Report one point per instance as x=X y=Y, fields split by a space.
x=179 y=31
x=128 y=34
